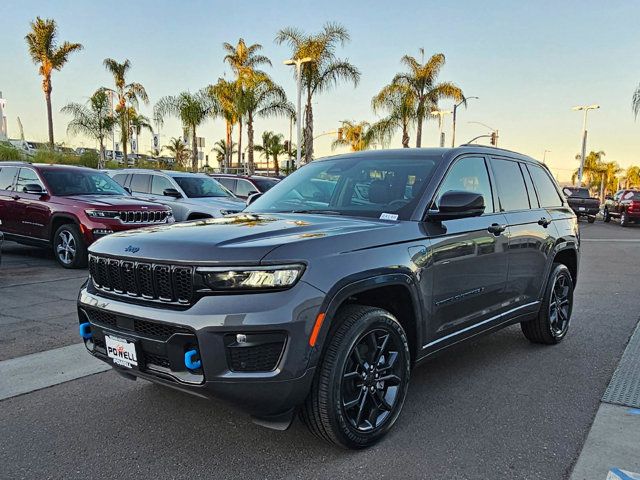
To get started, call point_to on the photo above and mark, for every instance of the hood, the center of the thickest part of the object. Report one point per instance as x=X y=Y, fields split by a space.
x=242 y=239
x=112 y=201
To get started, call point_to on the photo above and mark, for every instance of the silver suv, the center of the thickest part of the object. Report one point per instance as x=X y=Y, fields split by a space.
x=190 y=195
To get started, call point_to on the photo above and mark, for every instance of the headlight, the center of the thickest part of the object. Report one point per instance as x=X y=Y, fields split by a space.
x=102 y=213
x=251 y=278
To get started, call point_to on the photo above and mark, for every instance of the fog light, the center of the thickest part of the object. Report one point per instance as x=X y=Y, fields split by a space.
x=241 y=338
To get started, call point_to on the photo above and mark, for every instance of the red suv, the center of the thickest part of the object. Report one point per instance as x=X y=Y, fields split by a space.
x=68 y=208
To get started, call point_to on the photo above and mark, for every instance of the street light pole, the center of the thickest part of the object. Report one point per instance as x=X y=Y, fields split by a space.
x=441 y=114
x=586 y=109
x=455 y=108
x=298 y=63
x=544 y=156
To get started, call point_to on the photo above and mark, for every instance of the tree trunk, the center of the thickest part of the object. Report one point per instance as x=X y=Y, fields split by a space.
x=308 y=130
x=46 y=86
x=124 y=137
x=102 y=161
x=405 y=135
x=239 y=141
x=194 y=150
x=229 y=148
x=419 y=128
x=251 y=165
x=276 y=165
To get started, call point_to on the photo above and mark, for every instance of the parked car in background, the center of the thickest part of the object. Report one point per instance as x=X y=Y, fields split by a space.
x=625 y=205
x=582 y=203
x=68 y=208
x=243 y=186
x=323 y=305
x=1 y=240
x=191 y=196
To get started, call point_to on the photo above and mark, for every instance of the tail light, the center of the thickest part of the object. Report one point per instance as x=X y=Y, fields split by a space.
x=634 y=206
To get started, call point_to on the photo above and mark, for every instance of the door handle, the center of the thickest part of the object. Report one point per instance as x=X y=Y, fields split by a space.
x=15 y=197
x=544 y=222
x=496 y=229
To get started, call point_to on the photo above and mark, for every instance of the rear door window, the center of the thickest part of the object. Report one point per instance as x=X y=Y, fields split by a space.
x=140 y=183
x=545 y=186
x=7 y=174
x=531 y=191
x=511 y=188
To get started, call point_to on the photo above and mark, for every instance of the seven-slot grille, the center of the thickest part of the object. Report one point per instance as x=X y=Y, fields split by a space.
x=147 y=216
x=148 y=281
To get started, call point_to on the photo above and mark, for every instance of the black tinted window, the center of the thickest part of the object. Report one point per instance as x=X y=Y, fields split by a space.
x=244 y=188
x=228 y=182
x=140 y=183
x=545 y=186
x=533 y=197
x=468 y=174
x=511 y=187
x=6 y=177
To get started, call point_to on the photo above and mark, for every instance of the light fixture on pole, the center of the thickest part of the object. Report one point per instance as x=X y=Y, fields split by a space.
x=441 y=114
x=494 y=133
x=544 y=156
x=455 y=108
x=585 y=108
x=298 y=63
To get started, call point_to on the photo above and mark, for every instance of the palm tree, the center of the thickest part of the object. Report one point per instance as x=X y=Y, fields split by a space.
x=323 y=72
x=399 y=102
x=592 y=169
x=243 y=61
x=263 y=99
x=356 y=135
x=128 y=96
x=179 y=150
x=49 y=56
x=192 y=109
x=609 y=180
x=94 y=121
x=226 y=95
x=421 y=79
x=632 y=177
x=272 y=146
x=222 y=151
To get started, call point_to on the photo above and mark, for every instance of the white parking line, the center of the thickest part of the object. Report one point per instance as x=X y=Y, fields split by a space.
x=610 y=240
x=41 y=370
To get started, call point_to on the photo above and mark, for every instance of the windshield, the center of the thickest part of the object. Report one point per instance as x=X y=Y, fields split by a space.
x=264 y=184
x=368 y=187
x=201 y=187
x=81 y=182
x=631 y=195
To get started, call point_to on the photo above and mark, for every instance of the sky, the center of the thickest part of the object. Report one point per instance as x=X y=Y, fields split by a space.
x=528 y=62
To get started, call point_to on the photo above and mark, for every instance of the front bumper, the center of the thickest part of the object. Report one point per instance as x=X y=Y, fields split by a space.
x=270 y=376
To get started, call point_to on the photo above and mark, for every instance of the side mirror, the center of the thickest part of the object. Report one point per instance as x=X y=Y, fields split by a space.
x=458 y=204
x=253 y=197
x=171 y=192
x=33 y=188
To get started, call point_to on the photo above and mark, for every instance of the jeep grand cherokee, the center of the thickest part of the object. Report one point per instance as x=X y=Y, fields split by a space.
x=324 y=294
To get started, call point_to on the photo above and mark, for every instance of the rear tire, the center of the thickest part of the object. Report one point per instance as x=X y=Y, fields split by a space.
x=591 y=218
x=624 y=219
x=358 y=391
x=606 y=217
x=69 y=247
x=552 y=323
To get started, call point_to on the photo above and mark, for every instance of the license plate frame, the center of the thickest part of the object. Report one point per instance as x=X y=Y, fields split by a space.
x=123 y=352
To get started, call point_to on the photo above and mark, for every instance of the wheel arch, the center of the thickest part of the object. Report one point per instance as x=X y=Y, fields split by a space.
x=59 y=219
x=394 y=292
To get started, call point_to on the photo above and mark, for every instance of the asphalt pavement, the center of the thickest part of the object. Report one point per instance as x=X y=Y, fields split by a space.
x=498 y=407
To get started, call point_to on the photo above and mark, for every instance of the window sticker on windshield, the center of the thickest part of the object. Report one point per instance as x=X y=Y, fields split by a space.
x=388 y=216
x=628 y=195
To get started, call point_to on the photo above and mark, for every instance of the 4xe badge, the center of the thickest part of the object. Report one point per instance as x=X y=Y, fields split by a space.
x=132 y=249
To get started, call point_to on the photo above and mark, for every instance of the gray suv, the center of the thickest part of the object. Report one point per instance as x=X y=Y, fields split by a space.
x=190 y=195
x=327 y=290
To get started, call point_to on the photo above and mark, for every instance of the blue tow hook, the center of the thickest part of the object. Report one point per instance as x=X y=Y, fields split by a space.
x=85 y=330
x=188 y=360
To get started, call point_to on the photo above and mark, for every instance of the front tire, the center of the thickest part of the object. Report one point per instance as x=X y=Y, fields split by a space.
x=591 y=218
x=362 y=381
x=69 y=247
x=552 y=323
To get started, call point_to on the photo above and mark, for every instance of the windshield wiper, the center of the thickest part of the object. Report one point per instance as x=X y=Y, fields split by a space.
x=319 y=212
